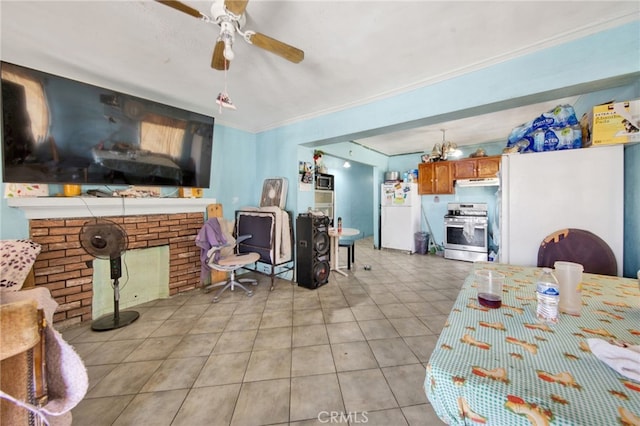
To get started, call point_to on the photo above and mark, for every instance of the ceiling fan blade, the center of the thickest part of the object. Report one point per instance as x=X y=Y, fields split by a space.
x=181 y=7
x=218 y=61
x=289 y=53
x=237 y=7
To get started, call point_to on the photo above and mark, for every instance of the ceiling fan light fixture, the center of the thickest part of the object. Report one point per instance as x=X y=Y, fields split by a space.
x=228 y=52
x=230 y=16
x=226 y=35
x=346 y=165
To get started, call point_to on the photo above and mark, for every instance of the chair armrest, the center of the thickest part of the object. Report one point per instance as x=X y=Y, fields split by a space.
x=241 y=238
x=214 y=249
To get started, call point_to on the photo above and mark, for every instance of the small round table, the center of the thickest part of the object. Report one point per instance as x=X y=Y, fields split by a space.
x=335 y=237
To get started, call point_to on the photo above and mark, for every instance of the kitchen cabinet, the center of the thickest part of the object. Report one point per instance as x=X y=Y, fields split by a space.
x=481 y=167
x=435 y=178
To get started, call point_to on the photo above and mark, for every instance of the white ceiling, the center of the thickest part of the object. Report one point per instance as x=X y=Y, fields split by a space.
x=355 y=52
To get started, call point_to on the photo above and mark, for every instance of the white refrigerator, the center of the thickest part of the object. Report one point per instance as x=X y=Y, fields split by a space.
x=400 y=215
x=541 y=193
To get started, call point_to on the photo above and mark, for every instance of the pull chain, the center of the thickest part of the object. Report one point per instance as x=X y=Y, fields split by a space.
x=223 y=100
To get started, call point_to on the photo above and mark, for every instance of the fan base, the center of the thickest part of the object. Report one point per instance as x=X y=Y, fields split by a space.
x=111 y=323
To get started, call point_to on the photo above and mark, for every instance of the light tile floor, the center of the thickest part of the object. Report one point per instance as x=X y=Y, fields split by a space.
x=356 y=347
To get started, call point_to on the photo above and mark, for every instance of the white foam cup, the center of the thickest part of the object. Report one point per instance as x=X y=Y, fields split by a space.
x=569 y=276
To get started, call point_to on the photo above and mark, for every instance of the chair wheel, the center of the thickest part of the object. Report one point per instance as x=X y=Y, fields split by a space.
x=249 y=293
x=216 y=299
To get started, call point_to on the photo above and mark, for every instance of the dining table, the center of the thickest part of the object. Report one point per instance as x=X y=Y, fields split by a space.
x=504 y=367
x=335 y=236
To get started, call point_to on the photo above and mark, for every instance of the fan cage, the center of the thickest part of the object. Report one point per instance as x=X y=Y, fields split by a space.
x=103 y=239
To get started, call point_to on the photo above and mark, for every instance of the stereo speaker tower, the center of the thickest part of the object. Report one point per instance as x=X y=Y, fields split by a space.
x=312 y=250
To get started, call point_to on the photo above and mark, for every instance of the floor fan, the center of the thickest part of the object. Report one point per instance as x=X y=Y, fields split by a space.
x=104 y=239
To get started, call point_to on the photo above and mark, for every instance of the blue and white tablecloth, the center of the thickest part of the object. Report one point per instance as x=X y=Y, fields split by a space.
x=503 y=367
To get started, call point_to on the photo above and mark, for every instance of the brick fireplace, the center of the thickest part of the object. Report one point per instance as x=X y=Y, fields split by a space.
x=67 y=270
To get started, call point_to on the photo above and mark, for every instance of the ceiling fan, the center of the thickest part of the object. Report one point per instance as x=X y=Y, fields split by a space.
x=230 y=16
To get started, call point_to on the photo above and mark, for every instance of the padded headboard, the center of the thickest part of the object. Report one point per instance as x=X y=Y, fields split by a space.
x=262 y=231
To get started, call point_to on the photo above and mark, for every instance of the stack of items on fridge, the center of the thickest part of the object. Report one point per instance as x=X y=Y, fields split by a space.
x=554 y=130
x=614 y=123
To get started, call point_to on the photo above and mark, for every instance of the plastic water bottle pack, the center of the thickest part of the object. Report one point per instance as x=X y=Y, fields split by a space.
x=553 y=130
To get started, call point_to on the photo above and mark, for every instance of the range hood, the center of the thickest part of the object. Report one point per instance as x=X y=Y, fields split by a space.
x=478 y=182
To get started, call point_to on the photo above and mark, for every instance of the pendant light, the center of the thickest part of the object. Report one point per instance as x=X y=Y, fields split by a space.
x=449 y=149
x=347 y=164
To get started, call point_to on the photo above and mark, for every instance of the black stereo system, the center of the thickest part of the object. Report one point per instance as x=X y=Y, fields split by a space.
x=312 y=250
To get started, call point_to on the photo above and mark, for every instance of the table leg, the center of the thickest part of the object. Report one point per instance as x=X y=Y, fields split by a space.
x=335 y=266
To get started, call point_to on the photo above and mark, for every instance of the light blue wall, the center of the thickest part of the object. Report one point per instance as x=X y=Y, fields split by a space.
x=13 y=224
x=376 y=164
x=354 y=194
x=242 y=160
x=631 y=263
x=234 y=182
x=277 y=155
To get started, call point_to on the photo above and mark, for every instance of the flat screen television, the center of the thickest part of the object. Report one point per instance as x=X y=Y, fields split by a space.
x=57 y=130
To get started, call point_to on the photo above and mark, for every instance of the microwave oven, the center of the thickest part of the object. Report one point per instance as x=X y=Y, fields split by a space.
x=324 y=181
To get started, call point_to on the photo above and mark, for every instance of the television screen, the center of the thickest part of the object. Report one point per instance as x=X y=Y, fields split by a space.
x=57 y=130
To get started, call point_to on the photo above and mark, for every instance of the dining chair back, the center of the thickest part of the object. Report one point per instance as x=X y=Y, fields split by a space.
x=578 y=246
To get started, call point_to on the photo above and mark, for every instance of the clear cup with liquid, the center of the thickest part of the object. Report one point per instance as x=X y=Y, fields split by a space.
x=489 y=284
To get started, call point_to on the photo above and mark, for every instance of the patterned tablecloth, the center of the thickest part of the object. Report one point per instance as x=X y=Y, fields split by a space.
x=503 y=367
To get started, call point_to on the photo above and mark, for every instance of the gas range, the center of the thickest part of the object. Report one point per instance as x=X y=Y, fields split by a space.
x=466 y=231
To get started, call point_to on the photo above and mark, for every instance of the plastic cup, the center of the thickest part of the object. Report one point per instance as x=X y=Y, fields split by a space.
x=489 y=284
x=71 y=190
x=569 y=277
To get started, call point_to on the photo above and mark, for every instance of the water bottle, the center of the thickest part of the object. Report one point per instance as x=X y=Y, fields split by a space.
x=548 y=292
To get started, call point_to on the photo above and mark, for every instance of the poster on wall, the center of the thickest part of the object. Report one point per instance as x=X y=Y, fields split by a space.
x=305 y=174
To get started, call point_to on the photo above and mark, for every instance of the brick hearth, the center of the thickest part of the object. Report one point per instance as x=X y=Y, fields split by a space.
x=66 y=269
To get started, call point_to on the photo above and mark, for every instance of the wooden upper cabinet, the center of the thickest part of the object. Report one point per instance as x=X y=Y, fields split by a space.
x=435 y=178
x=464 y=169
x=489 y=166
x=481 y=167
x=438 y=177
x=425 y=178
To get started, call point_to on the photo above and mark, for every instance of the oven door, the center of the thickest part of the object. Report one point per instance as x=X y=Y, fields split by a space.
x=466 y=233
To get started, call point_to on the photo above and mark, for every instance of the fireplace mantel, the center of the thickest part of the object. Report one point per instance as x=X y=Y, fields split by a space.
x=65 y=207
